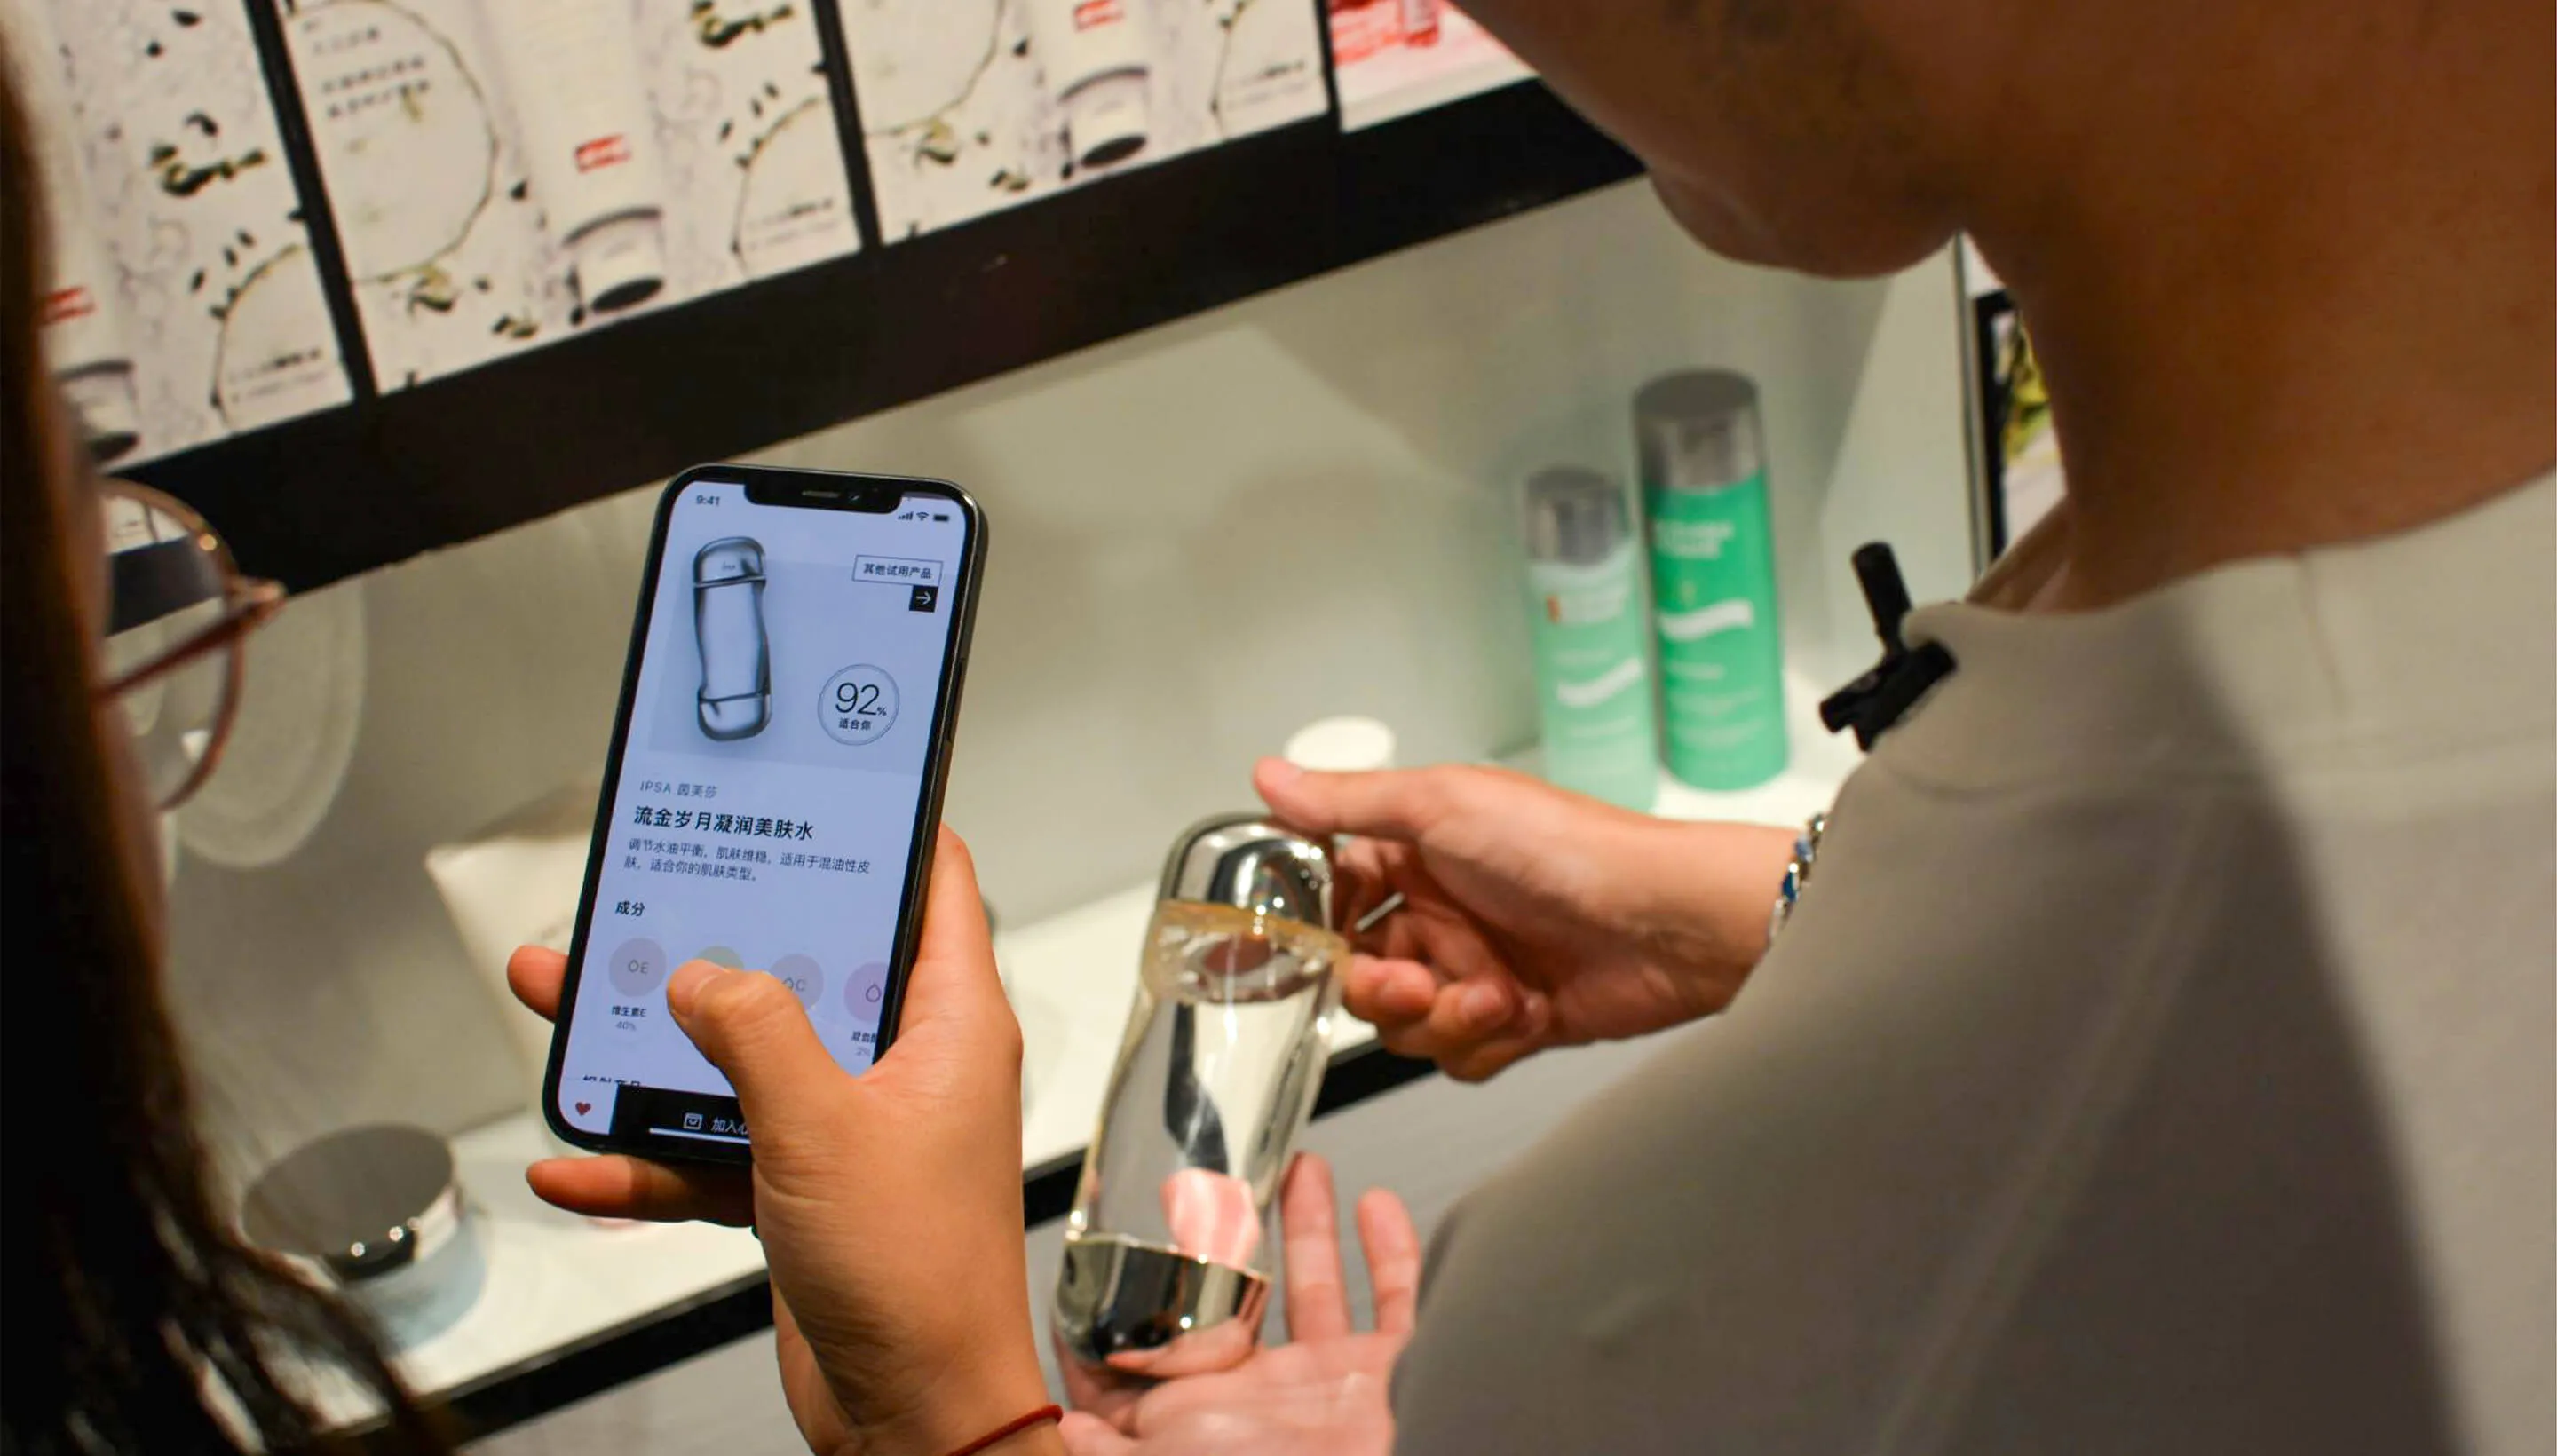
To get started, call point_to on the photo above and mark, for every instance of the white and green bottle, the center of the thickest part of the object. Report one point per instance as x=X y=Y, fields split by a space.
x=1587 y=623
x=1713 y=580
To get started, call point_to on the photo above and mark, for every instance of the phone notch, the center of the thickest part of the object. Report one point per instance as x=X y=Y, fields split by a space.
x=846 y=493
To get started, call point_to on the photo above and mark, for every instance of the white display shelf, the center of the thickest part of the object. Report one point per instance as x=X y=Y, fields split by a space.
x=1427 y=88
x=557 y=1282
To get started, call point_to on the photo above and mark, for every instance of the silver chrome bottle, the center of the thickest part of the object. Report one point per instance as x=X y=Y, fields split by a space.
x=1166 y=1268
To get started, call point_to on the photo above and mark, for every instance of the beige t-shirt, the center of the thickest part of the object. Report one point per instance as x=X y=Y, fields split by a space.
x=2160 y=1061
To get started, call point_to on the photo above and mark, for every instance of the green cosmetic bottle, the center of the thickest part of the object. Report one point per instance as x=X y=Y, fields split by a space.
x=1713 y=580
x=1586 y=619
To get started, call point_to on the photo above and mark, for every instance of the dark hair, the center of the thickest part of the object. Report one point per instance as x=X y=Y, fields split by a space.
x=137 y=1319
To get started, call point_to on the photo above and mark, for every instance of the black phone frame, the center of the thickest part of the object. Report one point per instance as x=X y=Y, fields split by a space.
x=963 y=590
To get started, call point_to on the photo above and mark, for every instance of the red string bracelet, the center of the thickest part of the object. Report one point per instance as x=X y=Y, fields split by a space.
x=1010 y=1429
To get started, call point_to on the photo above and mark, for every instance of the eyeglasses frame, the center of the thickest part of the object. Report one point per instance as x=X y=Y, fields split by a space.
x=247 y=604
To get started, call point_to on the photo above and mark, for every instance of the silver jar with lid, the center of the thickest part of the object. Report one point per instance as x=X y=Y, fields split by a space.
x=379 y=1212
x=1167 y=1266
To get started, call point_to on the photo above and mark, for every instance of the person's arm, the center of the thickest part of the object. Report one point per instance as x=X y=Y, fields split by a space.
x=1533 y=917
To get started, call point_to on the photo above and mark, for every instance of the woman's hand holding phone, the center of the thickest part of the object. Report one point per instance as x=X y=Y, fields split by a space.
x=890 y=1205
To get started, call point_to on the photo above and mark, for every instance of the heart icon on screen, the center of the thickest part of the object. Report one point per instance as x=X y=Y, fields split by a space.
x=585 y=1107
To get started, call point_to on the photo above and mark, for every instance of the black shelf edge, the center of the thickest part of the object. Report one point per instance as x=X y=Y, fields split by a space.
x=319 y=221
x=390 y=476
x=562 y=1377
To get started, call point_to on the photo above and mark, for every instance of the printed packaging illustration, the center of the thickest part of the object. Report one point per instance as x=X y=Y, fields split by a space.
x=183 y=302
x=506 y=172
x=971 y=107
x=1394 y=58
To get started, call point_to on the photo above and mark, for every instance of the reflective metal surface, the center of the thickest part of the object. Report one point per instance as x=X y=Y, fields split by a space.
x=1574 y=515
x=1699 y=430
x=1165 y=1270
x=362 y=1202
x=1247 y=862
x=1118 y=1297
x=379 y=1209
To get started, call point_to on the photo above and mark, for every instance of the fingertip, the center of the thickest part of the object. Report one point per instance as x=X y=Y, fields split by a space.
x=1288 y=791
x=953 y=888
x=534 y=973
x=536 y=958
x=1392 y=1243
x=1309 y=1170
x=684 y=988
x=1481 y=1006
x=618 y=1186
x=1382 y=1202
x=1536 y=1013
x=951 y=847
x=563 y=1182
x=1385 y=1224
x=1390 y=991
x=1272 y=775
x=954 y=880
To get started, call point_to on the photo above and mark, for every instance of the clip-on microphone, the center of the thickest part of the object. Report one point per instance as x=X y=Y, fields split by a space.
x=1876 y=701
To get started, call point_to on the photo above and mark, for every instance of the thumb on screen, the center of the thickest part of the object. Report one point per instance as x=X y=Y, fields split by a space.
x=756 y=1031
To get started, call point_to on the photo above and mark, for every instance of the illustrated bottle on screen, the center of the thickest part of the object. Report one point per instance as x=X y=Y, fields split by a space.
x=1713 y=580
x=1166 y=1265
x=1586 y=624
x=590 y=141
x=80 y=313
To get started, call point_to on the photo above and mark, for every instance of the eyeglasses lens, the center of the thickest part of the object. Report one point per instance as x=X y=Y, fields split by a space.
x=169 y=587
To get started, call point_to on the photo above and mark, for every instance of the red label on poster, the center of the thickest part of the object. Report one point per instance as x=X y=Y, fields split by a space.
x=1097 y=12
x=603 y=152
x=63 y=304
x=1362 y=30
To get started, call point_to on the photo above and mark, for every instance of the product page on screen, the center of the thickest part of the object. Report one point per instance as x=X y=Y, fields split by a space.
x=773 y=769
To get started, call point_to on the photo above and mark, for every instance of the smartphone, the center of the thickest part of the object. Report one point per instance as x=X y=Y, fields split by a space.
x=774 y=787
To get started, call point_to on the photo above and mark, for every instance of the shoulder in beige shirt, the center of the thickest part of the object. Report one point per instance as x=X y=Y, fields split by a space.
x=2162 y=1062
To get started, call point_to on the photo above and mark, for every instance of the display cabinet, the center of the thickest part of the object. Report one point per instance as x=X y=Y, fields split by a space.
x=1299 y=346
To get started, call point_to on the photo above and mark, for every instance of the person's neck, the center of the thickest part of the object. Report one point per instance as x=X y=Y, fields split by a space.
x=2319 y=311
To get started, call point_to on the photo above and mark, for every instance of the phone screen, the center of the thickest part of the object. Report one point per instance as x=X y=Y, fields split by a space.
x=775 y=759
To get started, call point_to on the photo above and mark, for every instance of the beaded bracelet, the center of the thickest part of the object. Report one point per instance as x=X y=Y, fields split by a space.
x=1797 y=873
